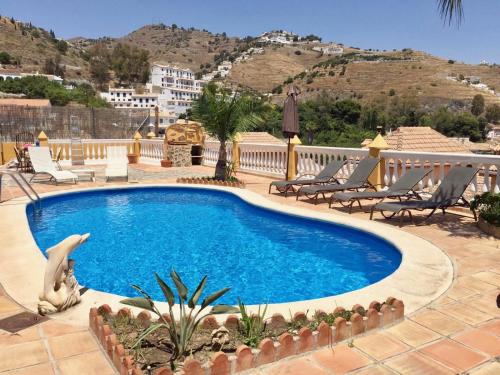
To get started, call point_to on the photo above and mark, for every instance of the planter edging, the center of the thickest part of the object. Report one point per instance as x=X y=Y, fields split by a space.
x=361 y=321
x=207 y=181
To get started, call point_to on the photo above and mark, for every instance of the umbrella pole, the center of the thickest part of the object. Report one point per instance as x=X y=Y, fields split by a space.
x=287 y=159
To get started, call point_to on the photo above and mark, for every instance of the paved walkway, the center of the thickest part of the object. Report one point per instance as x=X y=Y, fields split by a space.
x=459 y=333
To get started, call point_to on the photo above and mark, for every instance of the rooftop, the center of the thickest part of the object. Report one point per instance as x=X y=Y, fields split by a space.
x=422 y=139
x=25 y=102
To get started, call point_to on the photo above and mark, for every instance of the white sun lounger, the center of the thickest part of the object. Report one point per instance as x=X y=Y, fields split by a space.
x=116 y=162
x=43 y=165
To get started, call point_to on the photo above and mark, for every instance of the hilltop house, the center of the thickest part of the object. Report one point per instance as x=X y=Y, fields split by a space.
x=16 y=74
x=331 y=49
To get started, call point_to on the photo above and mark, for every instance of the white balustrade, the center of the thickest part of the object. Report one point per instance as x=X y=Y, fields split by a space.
x=263 y=159
x=398 y=162
x=94 y=150
x=271 y=160
x=151 y=151
x=312 y=159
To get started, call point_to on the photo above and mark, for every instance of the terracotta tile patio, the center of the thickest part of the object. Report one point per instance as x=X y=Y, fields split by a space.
x=460 y=332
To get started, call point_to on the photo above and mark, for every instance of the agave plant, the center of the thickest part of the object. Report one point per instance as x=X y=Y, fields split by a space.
x=180 y=331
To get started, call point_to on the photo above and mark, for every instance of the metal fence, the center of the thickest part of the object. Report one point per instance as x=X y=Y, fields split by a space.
x=72 y=122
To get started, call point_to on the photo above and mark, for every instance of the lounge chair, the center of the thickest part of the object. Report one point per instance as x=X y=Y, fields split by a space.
x=357 y=180
x=402 y=188
x=448 y=194
x=116 y=162
x=325 y=176
x=43 y=165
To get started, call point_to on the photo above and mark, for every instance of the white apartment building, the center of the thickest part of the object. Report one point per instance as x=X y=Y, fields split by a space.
x=128 y=98
x=172 y=89
x=177 y=87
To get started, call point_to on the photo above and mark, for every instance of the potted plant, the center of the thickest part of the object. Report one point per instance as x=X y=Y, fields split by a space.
x=166 y=163
x=133 y=158
x=488 y=206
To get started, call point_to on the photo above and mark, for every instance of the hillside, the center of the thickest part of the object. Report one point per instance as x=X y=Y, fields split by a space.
x=32 y=45
x=367 y=75
x=184 y=47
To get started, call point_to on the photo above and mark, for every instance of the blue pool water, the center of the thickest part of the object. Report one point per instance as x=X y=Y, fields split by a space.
x=264 y=256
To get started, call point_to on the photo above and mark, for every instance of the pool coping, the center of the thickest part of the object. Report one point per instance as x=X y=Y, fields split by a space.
x=424 y=274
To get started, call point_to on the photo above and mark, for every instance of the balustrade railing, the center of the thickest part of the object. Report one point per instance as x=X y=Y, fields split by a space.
x=94 y=150
x=211 y=152
x=263 y=159
x=271 y=160
x=398 y=162
x=312 y=159
x=151 y=150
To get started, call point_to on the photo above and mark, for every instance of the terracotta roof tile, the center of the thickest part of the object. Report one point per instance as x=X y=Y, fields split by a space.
x=26 y=102
x=423 y=139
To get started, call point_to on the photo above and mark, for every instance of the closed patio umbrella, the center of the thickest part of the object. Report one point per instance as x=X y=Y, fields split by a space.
x=290 y=126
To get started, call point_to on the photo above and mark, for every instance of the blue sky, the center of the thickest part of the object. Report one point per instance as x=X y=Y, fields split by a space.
x=382 y=24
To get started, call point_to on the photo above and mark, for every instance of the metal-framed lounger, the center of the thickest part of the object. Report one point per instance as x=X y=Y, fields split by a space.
x=448 y=194
x=43 y=165
x=402 y=188
x=357 y=180
x=325 y=176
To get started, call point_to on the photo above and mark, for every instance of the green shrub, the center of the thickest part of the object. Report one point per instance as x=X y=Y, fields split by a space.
x=180 y=331
x=488 y=206
x=252 y=326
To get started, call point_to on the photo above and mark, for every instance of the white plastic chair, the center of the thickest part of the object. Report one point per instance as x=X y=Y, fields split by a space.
x=116 y=162
x=42 y=163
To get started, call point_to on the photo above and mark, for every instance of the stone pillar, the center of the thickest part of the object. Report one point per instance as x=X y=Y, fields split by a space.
x=157 y=121
x=43 y=139
x=137 y=144
x=236 y=152
x=377 y=176
x=293 y=159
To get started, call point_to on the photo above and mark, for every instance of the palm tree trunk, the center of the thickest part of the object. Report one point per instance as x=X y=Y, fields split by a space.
x=220 y=167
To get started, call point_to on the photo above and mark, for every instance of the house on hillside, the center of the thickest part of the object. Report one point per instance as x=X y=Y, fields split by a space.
x=493 y=132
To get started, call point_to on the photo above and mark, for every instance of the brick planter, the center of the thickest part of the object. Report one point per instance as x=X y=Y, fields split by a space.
x=376 y=316
x=207 y=181
x=488 y=228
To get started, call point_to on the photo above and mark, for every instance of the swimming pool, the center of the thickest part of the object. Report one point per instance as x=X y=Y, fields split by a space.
x=263 y=255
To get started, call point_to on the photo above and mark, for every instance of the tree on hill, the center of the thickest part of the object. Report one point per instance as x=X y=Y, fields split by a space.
x=99 y=61
x=5 y=58
x=130 y=64
x=54 y=66
x=477 y=105
x=62 y=46
x=492 y=113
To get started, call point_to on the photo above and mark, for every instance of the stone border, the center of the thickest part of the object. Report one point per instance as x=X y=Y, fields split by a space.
x=488 y=228
x=378 y=315
x=425 y=272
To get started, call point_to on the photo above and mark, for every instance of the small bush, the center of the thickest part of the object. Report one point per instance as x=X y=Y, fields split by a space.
x=297 y=52
x=488 y=206
x=392 y=92
x=451 y=61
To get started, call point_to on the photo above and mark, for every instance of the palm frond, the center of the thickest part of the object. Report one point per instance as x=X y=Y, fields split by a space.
x=451 y=10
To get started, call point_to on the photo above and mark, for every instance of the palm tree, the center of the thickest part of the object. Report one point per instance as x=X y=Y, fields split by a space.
x=223 y=114
x=451 y=9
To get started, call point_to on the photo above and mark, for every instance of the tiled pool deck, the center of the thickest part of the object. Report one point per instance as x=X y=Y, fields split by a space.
x=459 y=333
